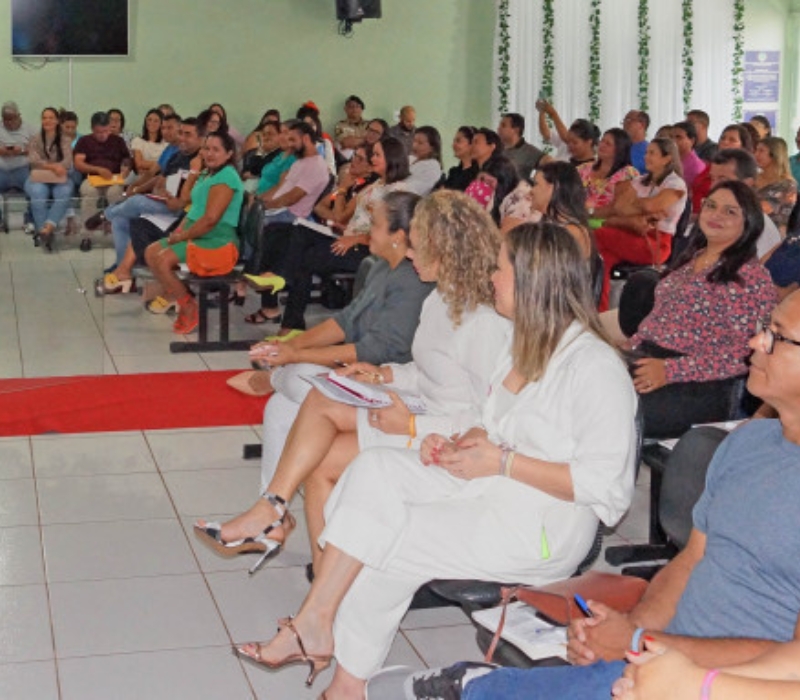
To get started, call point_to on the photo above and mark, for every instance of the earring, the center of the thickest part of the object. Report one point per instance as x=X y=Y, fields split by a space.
x=394 y=245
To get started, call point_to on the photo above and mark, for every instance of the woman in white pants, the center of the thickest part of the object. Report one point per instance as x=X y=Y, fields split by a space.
x=456 y=346
x=516 y=500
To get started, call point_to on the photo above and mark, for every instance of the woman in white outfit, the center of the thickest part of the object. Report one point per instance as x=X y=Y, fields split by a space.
x=516 y=499
x=456 y=346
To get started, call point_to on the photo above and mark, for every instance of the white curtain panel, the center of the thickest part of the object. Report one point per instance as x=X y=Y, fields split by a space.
x=713 y=49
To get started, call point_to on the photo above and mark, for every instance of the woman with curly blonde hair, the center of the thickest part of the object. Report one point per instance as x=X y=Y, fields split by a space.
x=457 y=343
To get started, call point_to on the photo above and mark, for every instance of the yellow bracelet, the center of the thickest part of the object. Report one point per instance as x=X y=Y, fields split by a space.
x=509 y=464
x=412 y=429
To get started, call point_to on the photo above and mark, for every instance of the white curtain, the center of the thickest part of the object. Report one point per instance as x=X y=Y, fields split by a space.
x=713 y=49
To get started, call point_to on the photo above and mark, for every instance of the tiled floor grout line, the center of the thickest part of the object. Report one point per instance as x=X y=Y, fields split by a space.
x=44 y=569
x=198 y=564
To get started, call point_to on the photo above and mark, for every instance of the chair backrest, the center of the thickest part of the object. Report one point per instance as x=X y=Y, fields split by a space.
x=684 y=480
x=250 y=222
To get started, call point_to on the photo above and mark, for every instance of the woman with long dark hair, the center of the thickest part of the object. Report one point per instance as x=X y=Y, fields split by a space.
x=426 y=161
x=459 y=176
x=48 y=186
x=693 y=345
x=210 y=224
x=612 y=166
x=148 y=147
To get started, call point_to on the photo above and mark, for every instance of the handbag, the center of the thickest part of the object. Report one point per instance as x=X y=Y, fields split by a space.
x=211 y=262
x=556 y=601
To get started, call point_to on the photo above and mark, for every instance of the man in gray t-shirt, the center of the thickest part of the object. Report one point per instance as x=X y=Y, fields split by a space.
x=14 y=138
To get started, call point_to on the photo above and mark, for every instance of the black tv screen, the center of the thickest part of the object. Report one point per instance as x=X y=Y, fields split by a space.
x=69 y=28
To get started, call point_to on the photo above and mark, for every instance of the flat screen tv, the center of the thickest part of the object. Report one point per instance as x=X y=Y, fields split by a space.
x=55 y=28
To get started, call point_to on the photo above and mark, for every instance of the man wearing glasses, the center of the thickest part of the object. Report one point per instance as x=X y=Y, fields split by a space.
x=732 y=594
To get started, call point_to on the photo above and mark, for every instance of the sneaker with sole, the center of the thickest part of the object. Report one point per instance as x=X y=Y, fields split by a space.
x=444 y=683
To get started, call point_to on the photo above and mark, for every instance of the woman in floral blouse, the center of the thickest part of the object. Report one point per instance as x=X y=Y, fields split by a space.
x=613 y=165
x=692 y=347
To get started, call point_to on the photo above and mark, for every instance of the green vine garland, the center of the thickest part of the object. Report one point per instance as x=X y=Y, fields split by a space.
x=548 y=71
x=644 y=55
x=595 y=91
x=737 y=76
x=687 y=56
x=504 y=53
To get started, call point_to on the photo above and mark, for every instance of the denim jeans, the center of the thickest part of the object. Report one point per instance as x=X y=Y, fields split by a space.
x=558 y=683
x=14 y=178
x=121 y=214
x=49 y=202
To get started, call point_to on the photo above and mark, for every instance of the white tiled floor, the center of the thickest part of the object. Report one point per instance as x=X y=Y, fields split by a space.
x=104 y=592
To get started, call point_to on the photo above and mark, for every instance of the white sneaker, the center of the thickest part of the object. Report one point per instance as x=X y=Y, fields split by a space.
x=29 y=229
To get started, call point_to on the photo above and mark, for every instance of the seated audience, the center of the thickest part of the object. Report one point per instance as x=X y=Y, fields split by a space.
x=350 y=132
x=273 y=171
x=485 y=144
x=120 y=215
x=69 y=126
x=644 y=214
x=558 y=140
x=15 y=137
x=685 y=138
x=636 y=123
x=525 y=156
x=613 y=165
x=736 y=136
x=254 y=140
x=323 y=145
x=48 y=185
x=148 y=147
x=466 y=506
x=460 y=176
x=693 y=344
x=582 y=140
x=377 y=130
x=377 y=327
x=255 y=159
x=210 y=225
x=390 y=163
x=166 y=109
x=456 y=346
x=104 y=155
x=762 y=126
x=426 y=161
x=497 y=181
x=730 y=596
x=405 y=128
x=116 y=125
x=217 y=108
x=209 y=121
x=171 y=133
x=775 y=186
x=705 y=148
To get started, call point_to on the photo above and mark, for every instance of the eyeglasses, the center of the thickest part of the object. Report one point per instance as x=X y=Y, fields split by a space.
x=770 y=336
x=727 y=211
x=377 y=132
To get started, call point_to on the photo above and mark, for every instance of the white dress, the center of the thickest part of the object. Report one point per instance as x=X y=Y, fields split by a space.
x=451 y=370
x=409 y=523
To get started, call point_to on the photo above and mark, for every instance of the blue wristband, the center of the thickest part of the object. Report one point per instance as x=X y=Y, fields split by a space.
x=637 y=639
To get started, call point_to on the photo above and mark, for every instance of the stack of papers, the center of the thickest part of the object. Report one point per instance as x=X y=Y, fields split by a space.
x=533 y=636
x=355 y=393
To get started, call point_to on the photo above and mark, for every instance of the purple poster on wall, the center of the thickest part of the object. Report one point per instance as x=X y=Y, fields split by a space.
x=762 y=76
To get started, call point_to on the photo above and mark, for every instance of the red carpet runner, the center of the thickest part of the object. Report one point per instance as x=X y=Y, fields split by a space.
x=123 y=402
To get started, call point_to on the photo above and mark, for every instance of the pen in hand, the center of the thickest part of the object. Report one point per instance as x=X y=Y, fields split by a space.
x=584 y=608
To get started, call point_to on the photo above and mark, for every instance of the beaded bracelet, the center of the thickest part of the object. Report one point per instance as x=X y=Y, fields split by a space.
x=705 y=689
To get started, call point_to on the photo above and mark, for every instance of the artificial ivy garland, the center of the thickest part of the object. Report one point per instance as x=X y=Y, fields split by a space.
x=504 y=53
x=547 y=43
x=687 y=56
x=595 y=91
x=644 y=55
x=738 y=59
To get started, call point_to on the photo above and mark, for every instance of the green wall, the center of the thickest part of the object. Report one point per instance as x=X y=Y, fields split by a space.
x=255 y=54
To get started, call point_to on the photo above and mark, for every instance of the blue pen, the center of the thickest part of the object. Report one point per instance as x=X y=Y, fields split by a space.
x=581 y=603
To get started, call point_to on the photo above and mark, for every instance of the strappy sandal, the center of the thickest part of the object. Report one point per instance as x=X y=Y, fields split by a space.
x=259 y=318
x=111 y=284
x=161 y=306
x=316 y=662
x=211 y=534
x=188 y=316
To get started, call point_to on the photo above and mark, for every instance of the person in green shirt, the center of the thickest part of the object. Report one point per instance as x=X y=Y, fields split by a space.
x=210 y=223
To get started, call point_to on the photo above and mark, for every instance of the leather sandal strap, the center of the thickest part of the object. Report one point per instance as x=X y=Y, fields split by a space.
x=290 y=627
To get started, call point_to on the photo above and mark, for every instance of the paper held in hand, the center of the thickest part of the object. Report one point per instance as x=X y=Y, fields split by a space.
x=354 y=393
x=533 y=636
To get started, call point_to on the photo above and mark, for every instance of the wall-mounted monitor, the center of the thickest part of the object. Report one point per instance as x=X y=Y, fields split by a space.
x=58 y=28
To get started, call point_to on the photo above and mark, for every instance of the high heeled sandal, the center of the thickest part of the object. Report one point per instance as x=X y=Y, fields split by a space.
x=236 y=299
x=114 y=285
x=266 y=283
x=316 y=662
x=161 y=306
x=211 y=534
